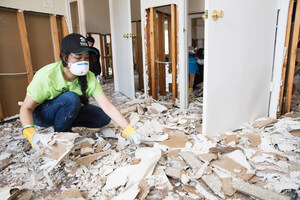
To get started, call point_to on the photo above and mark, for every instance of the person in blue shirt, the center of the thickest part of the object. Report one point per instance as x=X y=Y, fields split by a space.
x=193 y=67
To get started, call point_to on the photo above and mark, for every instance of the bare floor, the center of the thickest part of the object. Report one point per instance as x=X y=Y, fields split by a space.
x=264 y=154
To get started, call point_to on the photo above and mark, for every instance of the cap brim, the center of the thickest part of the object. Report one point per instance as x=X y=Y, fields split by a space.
x=82 y=49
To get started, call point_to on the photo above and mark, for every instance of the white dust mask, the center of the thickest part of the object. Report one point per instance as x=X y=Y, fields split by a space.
x=200 y=61
x=79 y=68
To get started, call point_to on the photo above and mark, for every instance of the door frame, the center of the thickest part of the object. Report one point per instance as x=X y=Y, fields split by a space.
x=182 y=42
x=279 y=54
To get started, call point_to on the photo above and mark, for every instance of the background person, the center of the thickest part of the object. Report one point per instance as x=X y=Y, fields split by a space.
x=95 y=66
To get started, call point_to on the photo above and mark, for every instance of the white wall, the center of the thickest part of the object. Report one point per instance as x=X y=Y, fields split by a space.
x=54 y=6
x=97 y=16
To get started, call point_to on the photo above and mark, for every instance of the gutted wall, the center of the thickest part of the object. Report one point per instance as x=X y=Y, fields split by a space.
x=97 y=16
x=42 y=6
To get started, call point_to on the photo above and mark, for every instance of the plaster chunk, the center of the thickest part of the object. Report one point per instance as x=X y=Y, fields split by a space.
x=160 y=108
x=214 y=184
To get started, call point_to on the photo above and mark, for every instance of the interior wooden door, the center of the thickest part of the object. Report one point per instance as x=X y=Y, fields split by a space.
x=239 y=50
x=121 y=37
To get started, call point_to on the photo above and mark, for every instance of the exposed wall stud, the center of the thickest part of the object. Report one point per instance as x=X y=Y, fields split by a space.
x=25 y=45
x=174 y=48
x=138 y=54
x=65 y=30
x=161 y=53
x=106 y=56
x=55 y=39
x=110 y=54
x=286 y=44
x=102 y=56
x=153 y=52
x=1 y=113
x=292 y=60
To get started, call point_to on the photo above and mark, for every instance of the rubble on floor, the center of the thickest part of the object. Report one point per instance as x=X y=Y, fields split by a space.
x=260 y=159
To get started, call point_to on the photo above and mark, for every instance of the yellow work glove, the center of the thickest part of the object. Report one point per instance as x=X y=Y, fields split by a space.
x=130 y=133
x=31 y=135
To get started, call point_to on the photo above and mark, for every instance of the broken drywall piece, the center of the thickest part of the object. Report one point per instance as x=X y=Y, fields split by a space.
x=144 y=189
x=73 y=194
x=239 y=157
x=177 y=139
x=55 y=147
x=173 y=172
x=129 y=194
x=87 y=160
x=86 y=148
x=214 y=183
x=256 y=191
x=228 y=165
x=160 y=138
x=204 y=192
x=191 y=159
x=157 y=127
x=262 y=122
x=133 y=174
x=134 y=118
x=140 y=110
x=160 y=108
x=227 y=186
x=207 y=157
x=5 y=192
x=255 y=140
x=222 y=150
x=231 y=138
x=108 y=133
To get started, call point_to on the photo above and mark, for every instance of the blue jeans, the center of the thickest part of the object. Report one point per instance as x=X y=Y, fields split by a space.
x=65 y=112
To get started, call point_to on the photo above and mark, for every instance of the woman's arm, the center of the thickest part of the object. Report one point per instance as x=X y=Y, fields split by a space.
x=26 y=111
x=111 y=111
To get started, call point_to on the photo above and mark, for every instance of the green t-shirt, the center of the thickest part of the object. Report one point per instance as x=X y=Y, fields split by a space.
x=49 y=83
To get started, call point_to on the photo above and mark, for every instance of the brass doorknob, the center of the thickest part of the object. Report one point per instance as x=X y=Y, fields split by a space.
x=217 y=14
x=205 y=15
x=126 y=35
x=132 y=35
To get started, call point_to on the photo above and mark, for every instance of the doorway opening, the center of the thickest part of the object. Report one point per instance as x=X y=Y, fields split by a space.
x=161 y=34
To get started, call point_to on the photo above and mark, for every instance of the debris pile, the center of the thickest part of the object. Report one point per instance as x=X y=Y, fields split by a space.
x=259 y=160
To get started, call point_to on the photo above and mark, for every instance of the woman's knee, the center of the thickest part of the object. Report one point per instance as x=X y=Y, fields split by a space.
x=71 y=99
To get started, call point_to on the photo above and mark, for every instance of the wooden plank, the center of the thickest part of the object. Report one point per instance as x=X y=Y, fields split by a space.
x=1 y=113
x=148 y=52
x=286 y=45
x=177 y=50
x=161 y=53
x=25 y=45
x=153 y=52
x=292 y=60
x=102 y=56
x=55 y=39
x=170 y=46
x=65 y=29
x=173 y=52
x=110 y=55
x=106 y=54
x=138 y=54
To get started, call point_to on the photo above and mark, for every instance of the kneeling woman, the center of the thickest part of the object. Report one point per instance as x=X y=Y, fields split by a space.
x=58 y=96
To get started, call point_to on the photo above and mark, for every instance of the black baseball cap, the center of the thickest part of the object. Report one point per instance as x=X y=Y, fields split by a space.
x=75 y=43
